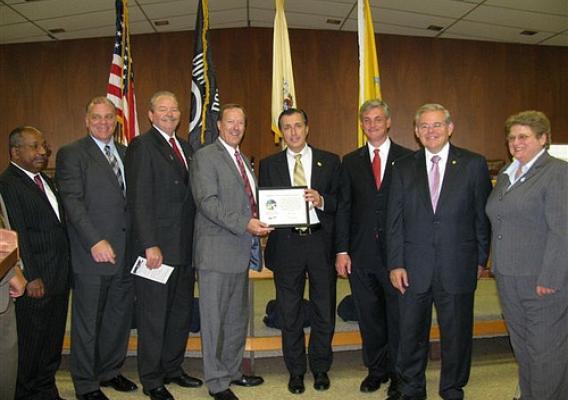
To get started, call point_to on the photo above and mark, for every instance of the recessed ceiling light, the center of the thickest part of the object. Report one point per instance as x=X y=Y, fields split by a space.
x=161 y=22
x=436 y=28
x=332 y=21
x=529 y=33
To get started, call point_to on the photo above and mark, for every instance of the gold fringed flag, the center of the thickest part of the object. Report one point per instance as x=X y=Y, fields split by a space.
x=283 y=92
x=369 y=78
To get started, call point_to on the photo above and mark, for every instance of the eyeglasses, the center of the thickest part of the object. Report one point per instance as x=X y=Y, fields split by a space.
x=520 y=138
x=434 y=126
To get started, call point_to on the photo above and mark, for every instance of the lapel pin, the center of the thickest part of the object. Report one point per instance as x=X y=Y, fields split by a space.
x=454 y=162
x=319 y=163
x=523 y=179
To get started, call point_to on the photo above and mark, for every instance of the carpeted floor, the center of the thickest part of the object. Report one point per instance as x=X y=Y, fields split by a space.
x=493 y=377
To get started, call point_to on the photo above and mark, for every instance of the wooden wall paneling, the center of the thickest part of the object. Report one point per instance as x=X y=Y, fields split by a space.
x=47 y=84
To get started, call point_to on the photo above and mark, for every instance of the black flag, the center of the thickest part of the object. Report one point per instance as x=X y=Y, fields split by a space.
x=204 y=93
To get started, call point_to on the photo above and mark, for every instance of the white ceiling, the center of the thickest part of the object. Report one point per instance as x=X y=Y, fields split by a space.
x=491 y=20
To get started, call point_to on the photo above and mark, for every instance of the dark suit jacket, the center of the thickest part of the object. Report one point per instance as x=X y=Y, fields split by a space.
x=362 y=210
x=159 y=198
x=42 y=238
x=94 y=203
x=274 y=172
x=452 y=241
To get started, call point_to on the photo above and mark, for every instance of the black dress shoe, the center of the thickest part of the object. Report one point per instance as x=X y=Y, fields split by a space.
x=321 y=381
x=393 y=387
x=94 y=395
x=224 y=395
x=248 y=381
x=372 y=383
x=120 y=383
x=405 y=397
x=184 y=380
x=159 y=393
x=296 y=384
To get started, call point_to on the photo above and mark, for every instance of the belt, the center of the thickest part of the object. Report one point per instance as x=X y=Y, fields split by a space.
x=308 y=230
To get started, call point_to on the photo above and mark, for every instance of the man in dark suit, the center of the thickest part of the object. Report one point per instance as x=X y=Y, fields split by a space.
x=36 y=213
x=361 y=243
x=294 y=252
x=162 y=212
x=224 y=189
x=437 y=243
x=91 y=181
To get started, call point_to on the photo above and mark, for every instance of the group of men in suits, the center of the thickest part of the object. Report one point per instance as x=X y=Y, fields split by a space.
x=407 y=229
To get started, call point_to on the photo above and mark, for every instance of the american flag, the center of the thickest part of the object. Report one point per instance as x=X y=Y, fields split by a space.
x=120 y=88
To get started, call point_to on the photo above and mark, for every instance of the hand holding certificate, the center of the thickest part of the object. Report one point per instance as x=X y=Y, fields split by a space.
x=283 y=207
x=160 y=275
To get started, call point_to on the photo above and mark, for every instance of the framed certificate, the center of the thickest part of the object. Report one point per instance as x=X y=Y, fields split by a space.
x=282 y=207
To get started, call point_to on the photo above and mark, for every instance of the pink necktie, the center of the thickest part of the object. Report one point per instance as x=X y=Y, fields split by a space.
x=434 y=179
x=376 y=164
x=177 y=152
x=39 y=183
x=246 y=181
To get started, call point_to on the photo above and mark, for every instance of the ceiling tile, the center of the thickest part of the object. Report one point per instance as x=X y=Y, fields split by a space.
x=559 y=7
x=351 y=25
x=520 y=19
x=558 y=40
x=31 y=39
x=444 y=8
x=408 y=19
x=17 y=31
x=494 y=32
x=7 y=16
x=169 y=9
x=57 y=8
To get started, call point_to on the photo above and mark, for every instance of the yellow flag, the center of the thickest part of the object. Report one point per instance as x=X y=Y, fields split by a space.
x=369 y=78
x=283 y=92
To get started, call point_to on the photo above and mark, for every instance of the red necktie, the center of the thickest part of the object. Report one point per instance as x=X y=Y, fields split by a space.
x=376 y=164
x=39 y=183
x=246 y=181
x=177 y=152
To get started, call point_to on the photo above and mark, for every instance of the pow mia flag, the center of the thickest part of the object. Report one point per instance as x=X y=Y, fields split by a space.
x=204 y=94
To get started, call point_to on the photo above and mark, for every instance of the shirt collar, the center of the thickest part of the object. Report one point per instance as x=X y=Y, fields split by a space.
x=443 y=154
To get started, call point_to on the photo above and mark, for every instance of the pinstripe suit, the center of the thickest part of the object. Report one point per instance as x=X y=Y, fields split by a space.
x=44 y=249
x=530 y=248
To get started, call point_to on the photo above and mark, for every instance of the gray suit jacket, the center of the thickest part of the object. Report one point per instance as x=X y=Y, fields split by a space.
x=94 y=204
x=530 y=223
x=4 y=282
x=222 y=243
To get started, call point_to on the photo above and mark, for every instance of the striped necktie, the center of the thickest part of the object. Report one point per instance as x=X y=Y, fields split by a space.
x=115 y=167
x=299 y=176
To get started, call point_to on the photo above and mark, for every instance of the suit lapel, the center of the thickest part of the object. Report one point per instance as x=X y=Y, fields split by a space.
x=281 y=167
x=167 y=152
x=422 y=179
x=533 y=170
x=451 y=175
x=33 y=188
x=99 y=158
x=365 y=167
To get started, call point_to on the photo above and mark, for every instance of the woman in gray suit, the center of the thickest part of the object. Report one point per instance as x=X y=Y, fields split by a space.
x=528 y=209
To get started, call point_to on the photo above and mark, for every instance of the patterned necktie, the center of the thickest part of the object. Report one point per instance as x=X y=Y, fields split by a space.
x=115 y=167
x=177 y=152
x=434 y=179
x=376 y=164
x=39 y=183
x=299 y=175
x=248 y=188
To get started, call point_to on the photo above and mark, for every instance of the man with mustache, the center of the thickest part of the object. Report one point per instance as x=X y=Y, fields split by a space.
x=162 y=210
x=35 y=212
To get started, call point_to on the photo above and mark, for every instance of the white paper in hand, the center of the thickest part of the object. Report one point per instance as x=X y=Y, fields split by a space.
x=160 y=274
